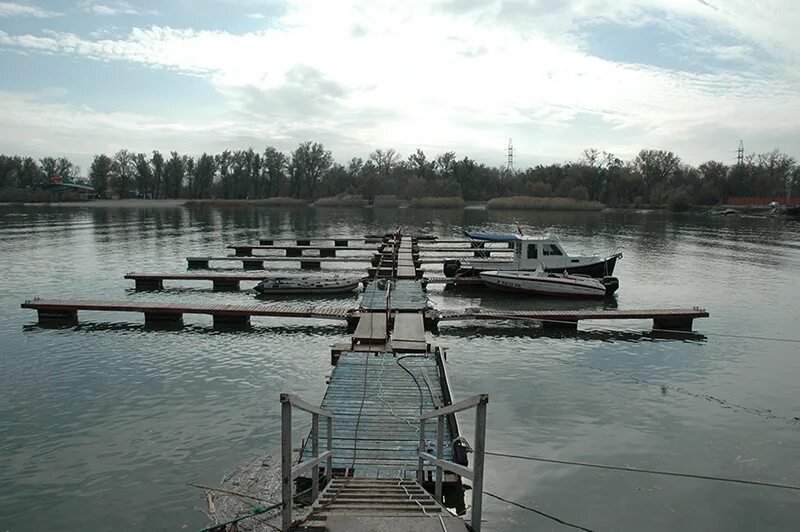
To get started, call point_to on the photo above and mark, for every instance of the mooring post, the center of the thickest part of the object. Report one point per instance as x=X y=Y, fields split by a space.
x=286 y=462
x=315 y=453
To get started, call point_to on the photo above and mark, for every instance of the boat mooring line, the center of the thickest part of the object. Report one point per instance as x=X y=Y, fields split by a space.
x=648 y=471
x=534 y=510
x=762 y=412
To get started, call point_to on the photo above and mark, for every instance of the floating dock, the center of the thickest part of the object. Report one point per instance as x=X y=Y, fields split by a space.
x=394 y=455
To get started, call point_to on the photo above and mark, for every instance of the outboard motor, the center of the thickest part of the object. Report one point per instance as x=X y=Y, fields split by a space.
x=451 y=267
x=611 y=284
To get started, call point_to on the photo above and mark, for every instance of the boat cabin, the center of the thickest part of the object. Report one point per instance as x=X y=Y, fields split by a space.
x=529 y=252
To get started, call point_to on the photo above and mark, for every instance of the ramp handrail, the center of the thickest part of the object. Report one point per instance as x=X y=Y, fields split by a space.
x=475 y=474
x=289 y=473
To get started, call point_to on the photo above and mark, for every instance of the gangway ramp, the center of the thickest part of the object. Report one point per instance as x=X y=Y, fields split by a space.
x=376 y=400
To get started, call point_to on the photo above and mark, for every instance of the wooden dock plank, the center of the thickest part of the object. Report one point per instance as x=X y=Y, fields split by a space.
x=371 y=328
x=309 y=311
x=408 y=327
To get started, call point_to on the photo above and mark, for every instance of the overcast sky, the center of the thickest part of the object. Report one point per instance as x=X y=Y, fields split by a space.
x=557 y=76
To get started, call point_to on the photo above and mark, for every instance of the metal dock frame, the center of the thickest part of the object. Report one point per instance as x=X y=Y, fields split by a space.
x=476 y=473
x=289 y=473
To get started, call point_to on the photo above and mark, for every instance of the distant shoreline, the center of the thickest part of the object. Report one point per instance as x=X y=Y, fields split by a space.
x=133 y=203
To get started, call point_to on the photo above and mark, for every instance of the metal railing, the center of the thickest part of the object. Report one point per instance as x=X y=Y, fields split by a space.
x=289 y=473
x=475 y=474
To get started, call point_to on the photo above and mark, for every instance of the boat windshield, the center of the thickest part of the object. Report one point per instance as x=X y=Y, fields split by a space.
x=551 y=250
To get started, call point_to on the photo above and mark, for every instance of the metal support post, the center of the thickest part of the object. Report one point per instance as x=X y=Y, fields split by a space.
x=477 y=465
x=315 y=453
x=286 y=463
x=440 y=455
x=422 y=449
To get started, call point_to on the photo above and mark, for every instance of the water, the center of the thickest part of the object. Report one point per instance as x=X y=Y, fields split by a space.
x=102 y=425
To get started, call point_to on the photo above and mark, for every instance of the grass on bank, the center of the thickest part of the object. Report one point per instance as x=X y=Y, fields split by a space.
x=449 y=202
x=342 y=200
x=386 y=202
x=278 y=201
x=533 y=203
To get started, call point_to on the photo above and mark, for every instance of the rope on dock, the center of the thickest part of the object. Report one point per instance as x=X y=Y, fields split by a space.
x=648 y=471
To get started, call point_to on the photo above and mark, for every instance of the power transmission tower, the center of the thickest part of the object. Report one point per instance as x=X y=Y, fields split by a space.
x=510 y=162
x=740 y=154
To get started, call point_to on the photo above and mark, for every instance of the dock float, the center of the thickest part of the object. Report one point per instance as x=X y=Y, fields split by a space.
x=668 y=319
x=66 y=311
x=222 y=282
x=257 y=263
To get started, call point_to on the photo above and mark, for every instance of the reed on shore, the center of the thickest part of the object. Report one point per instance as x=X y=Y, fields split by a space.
x=535 y=203
x=387 y=201
x=342 y=200
x=278 y=201
x=448 y=202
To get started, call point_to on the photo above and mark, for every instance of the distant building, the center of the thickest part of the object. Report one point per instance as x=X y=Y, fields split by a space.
x=62 y=190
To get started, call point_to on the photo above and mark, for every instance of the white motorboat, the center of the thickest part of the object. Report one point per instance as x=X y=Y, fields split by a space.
x=541 y=282
x=530 y=252
x=307 y=285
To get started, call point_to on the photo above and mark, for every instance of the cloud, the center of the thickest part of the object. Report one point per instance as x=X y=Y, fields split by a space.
x=118 y=7
x=13 y=9
x=256 y=16
x=455 y=77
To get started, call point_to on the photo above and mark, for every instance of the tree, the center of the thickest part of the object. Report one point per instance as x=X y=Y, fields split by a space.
x=174 y=172
x=385 y=160
x=274 y=166
x=157 y=161
x=10 y=167
x=419 y=164
x=29 y=173
x=204 y=176
x=143 y=175
x=309 y=163
x=59 y=168
x=658 y=168
x=122 y=172
x=100 y=174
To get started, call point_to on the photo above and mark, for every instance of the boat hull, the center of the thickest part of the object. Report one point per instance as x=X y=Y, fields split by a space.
x=543 y=285
x=283 y=288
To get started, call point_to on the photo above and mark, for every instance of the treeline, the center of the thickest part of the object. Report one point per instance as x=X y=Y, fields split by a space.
x=654 y=177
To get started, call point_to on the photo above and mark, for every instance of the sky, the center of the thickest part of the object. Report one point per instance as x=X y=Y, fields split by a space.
x=555 y=76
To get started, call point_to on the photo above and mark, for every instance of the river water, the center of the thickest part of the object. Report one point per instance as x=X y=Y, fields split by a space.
x=103 y=424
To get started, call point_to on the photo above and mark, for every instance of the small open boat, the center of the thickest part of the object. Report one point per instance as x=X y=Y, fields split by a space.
x=540 y=282
x=307 y=285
